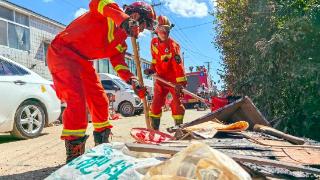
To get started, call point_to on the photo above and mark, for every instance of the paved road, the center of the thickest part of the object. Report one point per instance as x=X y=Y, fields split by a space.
x=38 y=158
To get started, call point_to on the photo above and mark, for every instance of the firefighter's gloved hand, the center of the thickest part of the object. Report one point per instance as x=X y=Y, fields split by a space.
x=140 y=91
x=131 y=27
x=148 y=72
x=178 y=89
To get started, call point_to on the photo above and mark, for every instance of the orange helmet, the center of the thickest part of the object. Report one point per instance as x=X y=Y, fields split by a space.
x=163 y=21
x=164 y=24
x=145 y=10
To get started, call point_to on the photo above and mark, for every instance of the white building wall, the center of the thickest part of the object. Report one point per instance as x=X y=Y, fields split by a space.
x=40 y=31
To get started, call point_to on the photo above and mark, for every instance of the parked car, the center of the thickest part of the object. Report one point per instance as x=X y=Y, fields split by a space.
x=126 y=101
x=28 y=102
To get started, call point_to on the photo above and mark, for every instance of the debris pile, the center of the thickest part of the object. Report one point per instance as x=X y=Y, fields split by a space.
x=234 y=142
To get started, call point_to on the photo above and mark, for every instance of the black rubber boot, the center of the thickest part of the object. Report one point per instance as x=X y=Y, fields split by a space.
x=101 y=137
x=75 y=148
x=155 y=123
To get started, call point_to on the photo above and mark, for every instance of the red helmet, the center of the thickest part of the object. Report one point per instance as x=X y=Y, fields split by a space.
x=146 y=11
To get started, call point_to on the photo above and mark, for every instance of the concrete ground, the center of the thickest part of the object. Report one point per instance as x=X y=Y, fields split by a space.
x=37 y=158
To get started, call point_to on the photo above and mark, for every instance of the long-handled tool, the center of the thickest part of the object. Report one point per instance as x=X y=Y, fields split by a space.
x=183 y=90
x=138 y=64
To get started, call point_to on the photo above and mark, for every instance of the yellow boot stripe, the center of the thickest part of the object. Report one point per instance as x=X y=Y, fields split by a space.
x=155 y=115
x=101 y=125
x=177 y=117
x=69 y=132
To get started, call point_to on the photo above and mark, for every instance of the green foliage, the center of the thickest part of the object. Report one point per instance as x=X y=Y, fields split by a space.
x=271 y=52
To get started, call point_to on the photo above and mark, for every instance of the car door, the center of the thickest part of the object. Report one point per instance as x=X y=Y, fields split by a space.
x=12 y=82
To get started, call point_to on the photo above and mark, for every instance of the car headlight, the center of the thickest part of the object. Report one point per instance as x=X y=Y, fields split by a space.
x=137 y=100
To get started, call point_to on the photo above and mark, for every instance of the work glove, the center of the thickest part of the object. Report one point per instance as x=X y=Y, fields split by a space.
x=148 y=72
x=139 y=90
x=178 y=90
x=131 y=27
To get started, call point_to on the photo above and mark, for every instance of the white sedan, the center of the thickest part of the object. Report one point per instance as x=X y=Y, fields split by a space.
x=28 y=102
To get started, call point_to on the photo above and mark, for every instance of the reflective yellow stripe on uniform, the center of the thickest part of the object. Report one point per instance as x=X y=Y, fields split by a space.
x=155 y=115
x=166 y=56
x=155 y=49
x=177 y=117
x=154 y=61
x=102 y=125
x=120 y=48
x=121 y=67
x=110 y=30
x=181 y=79
x=69 y=132
x=102 y=4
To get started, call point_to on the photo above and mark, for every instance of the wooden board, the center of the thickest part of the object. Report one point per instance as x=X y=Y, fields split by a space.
x=243 y=109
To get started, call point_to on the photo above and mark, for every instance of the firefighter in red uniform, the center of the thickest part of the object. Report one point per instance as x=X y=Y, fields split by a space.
x=167 y=64
x=99 y=33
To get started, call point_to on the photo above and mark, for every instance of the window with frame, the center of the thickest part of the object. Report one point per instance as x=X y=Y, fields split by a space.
x=6 y=13
x=14 y=29
x=108 y=84
x=3 y=33
x=19 y=37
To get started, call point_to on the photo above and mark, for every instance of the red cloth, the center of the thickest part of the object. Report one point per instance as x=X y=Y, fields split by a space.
x=218 y=103
x=93 y=35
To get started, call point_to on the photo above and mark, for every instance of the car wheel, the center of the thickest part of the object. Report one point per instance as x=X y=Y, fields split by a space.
x=29 y=120
x=126 y=109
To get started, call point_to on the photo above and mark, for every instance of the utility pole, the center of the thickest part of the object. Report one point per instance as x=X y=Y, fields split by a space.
x=208 y=66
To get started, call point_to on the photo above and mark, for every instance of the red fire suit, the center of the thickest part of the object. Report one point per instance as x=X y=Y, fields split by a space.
x=94 y=35
x=167 y=63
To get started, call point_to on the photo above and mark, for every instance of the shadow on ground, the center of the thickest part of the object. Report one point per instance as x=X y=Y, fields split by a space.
x=6 y=138
x=34 y=175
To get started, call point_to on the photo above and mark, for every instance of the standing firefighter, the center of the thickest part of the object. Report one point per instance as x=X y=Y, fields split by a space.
x=167 y=64
x=99 y=33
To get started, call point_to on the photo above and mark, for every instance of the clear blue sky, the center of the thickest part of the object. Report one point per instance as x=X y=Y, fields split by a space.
x=194 y=28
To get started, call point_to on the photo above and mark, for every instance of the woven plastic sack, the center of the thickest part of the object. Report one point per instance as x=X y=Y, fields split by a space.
x=198 y=161
x=106 y=161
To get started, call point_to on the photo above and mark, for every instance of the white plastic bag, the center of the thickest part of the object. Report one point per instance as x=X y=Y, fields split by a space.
x=198 y=161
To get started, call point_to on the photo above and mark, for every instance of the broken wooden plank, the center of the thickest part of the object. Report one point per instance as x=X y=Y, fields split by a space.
x=240 y=110
x=279 y=134
x=239 y=158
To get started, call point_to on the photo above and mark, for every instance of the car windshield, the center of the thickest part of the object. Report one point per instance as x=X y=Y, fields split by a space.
x=122 y=84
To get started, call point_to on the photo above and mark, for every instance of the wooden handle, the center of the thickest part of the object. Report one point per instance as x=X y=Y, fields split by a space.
x=279 y=134
x=183 y=90
x=140 y=77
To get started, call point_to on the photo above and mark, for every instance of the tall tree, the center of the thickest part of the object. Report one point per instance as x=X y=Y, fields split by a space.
x=271 y=52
